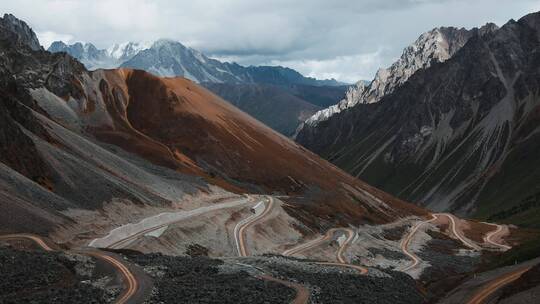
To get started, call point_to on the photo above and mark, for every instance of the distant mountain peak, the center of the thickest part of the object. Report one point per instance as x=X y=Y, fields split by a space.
x=126 y=50
x=171 y=58
x=94 y=58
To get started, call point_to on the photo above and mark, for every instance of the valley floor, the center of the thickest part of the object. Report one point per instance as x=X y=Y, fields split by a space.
x=247 y=249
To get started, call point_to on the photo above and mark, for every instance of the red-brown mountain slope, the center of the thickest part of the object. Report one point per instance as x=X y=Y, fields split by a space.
x=179 y=124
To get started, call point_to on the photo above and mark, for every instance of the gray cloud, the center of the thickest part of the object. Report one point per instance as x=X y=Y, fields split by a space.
x=348 y=40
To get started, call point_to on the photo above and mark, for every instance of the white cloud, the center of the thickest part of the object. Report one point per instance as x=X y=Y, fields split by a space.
x=48 y=37
x=348 y=69
x=313 y=35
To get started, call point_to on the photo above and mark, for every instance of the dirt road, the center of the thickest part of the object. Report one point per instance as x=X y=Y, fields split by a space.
x=457 y=233
x=122 y=236
x=483 y=293
x=405 y=244
x=302 y=293
x=239 y=230
x=435 y=216
x=340 y=257
x=494 y=234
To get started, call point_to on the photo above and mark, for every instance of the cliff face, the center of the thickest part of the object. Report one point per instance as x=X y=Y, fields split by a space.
x=437 y=45
x=461 y=135
x=21 y=33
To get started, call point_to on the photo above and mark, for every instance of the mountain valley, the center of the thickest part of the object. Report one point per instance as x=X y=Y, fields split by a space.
x=151 y=173
x=456 y=136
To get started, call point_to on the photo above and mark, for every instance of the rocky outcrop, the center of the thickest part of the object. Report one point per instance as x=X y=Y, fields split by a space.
x=460 y=135
x=23 y=33
x=437 y=45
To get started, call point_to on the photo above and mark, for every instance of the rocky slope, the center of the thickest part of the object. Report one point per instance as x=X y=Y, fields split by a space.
x=74 y=141
x=437 y=45
x=460 y=135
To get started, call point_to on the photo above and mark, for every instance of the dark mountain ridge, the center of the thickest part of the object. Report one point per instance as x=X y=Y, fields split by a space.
x=459 y=136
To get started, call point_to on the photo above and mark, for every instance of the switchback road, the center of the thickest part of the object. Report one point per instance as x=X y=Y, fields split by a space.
x=455 y=231
x=239 y=230
x=405 y=244
x=458 y=235
x=342 y=261
x=493 y=234
x=122 y=236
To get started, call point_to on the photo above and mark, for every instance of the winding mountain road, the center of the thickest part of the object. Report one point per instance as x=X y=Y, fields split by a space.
x=406 y=242
x=308 y=245
x=302 y=292
x=130 y=293
x=24 y=236
x=240 y=228
x=489 y=237
x=133 y=292
x=434 y=216
x=462 y=238
x=342 y=261
x=487 y=290
x=123 y=235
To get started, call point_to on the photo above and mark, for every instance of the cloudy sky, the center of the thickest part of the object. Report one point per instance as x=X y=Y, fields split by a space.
x=347 y=40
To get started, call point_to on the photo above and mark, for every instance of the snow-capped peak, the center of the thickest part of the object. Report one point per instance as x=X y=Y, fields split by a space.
x=126 y=50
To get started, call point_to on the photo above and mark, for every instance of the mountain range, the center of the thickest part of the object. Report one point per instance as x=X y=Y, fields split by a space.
x=84 y=136
x=169 y=58
x=121 y=186
x=437 y=45
x=94 y=58
x=459 y=134
x=299 y=97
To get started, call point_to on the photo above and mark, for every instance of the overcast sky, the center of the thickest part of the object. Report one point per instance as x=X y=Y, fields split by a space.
x=346 y=40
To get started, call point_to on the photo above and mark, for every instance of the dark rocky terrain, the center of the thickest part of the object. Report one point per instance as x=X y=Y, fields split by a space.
x=460 y=135
x=30 y=276
x=199 y=279
x=46 y=277
x=185 y=279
